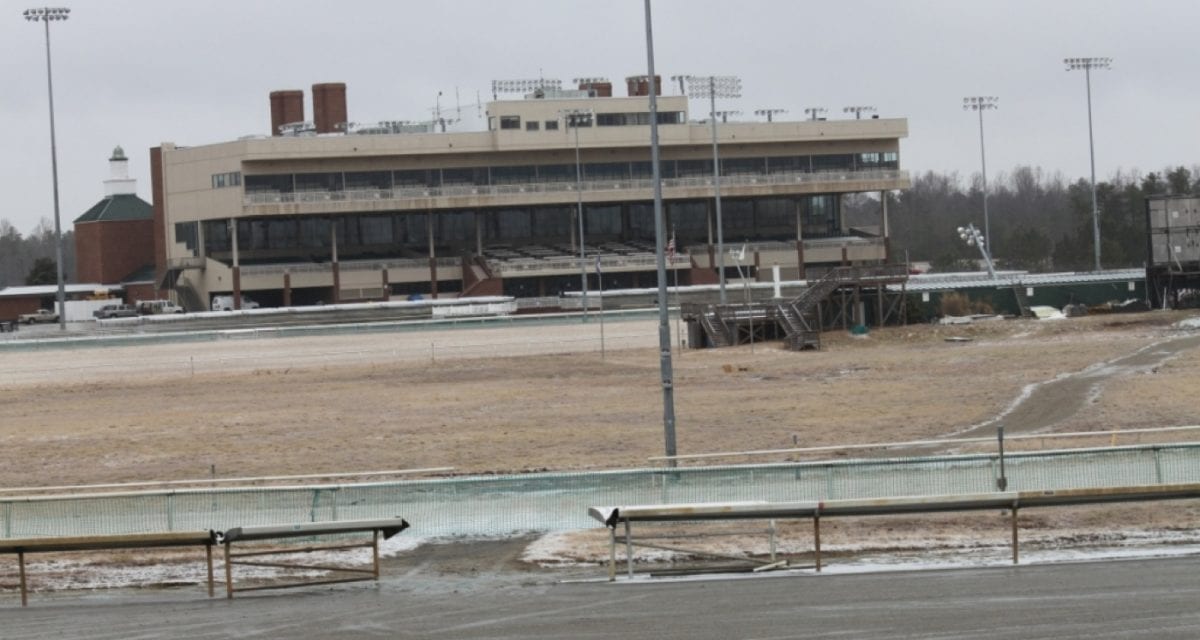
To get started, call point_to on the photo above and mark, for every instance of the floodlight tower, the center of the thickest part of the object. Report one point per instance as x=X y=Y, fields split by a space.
x=713 y=87
x=981 y=104
x=46 y=15
x=682 y=80
x=974 y=238
x=858 y=111
x=769 y=113
x=524 y=86
x=575 y=118
x=1087 y=64
x=814 y=113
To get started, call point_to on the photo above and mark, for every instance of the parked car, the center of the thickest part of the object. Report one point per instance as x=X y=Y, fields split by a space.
x=225 y=303
x=115 y=311
x=41 y=315
x=157 y=307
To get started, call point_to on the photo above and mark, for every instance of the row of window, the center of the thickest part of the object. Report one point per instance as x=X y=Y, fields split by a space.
x=231 y=179
x=601 y=120
x=591 y=171
x=742 y=218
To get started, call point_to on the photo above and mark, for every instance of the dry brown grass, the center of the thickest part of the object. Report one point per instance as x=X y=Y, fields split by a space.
x=552 y=411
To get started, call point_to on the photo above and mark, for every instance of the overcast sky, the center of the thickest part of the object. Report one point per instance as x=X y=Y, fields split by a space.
x=141 y=72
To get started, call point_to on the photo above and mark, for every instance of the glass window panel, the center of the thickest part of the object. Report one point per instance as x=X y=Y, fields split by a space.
x=602 y=221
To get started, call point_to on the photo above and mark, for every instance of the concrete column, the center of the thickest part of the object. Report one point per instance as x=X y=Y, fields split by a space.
x=799 y=242
x=479 y=233
x=433 y=277
x=887 y=232
x=237 y=270
x=387 y=287
x=287 y=288
x=337 y=280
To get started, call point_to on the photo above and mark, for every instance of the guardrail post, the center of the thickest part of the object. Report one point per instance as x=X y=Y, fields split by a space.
x=1015 y=557
x=628 y=550
x=24 y=591
x=817 y=542
x=612 y=553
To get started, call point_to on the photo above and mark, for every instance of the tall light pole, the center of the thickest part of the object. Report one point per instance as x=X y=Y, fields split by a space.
x=47 y=15
x=575 y=118
x=660 y=234
x=858 y=111
x=981 y=104
x=713 y=87
x=1087 y=64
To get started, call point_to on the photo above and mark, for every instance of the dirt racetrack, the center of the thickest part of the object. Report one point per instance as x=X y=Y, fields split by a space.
x=272 y=406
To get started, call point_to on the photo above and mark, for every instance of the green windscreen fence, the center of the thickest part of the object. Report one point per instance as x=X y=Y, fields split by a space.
x=542 y=502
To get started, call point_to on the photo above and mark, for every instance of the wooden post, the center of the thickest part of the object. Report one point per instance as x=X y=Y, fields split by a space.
x=817 y=542
x=375 y=551
x=208 y=553
x=24 y=591
x=228 y=574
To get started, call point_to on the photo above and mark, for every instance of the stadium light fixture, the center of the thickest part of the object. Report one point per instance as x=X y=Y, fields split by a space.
x=814 y=113
x=974 y=238
x=769 y=113
x=713 y=87
x=524 y=86
x=1087 y=64
x=981 y=104
x=46 y=15
x=858 y=111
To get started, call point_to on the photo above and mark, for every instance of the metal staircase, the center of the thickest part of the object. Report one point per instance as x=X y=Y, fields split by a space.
x=715 y=329
x=802 y=330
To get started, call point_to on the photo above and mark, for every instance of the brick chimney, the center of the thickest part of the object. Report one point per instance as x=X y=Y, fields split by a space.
x=286 y=107
x=329 y=106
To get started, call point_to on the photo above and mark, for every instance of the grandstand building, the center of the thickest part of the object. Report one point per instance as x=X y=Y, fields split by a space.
x=335 y=212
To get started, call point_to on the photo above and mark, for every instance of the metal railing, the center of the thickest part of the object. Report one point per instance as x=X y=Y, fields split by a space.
x=418 y=193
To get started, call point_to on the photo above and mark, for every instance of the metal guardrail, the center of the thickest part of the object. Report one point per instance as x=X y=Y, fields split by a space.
x=385 y=528
x=415 y=193
x=1013 y=501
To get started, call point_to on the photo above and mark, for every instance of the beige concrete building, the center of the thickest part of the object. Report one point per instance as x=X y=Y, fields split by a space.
x=401 y=210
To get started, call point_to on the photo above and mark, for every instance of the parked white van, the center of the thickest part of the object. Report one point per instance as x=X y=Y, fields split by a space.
x=225 y=303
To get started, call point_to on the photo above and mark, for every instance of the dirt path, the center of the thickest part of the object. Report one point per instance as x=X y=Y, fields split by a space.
x=1044 y=405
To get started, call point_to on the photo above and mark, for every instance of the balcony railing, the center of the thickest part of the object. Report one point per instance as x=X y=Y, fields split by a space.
x=591 y=186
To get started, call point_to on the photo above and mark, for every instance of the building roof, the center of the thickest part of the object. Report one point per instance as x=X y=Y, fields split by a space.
x=118 y=207
x=42 y=290
x=956 y=281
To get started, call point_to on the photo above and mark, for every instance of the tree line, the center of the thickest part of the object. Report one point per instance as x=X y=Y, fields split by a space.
x=1039 y=222
x=30 y=260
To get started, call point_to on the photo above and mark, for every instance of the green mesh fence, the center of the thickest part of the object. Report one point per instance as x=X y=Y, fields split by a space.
x=497 y=505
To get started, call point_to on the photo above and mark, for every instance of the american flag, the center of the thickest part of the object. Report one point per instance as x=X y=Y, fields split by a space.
x=671 y=249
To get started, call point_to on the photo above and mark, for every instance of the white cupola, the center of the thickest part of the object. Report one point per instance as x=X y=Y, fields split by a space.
x=119 y=182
